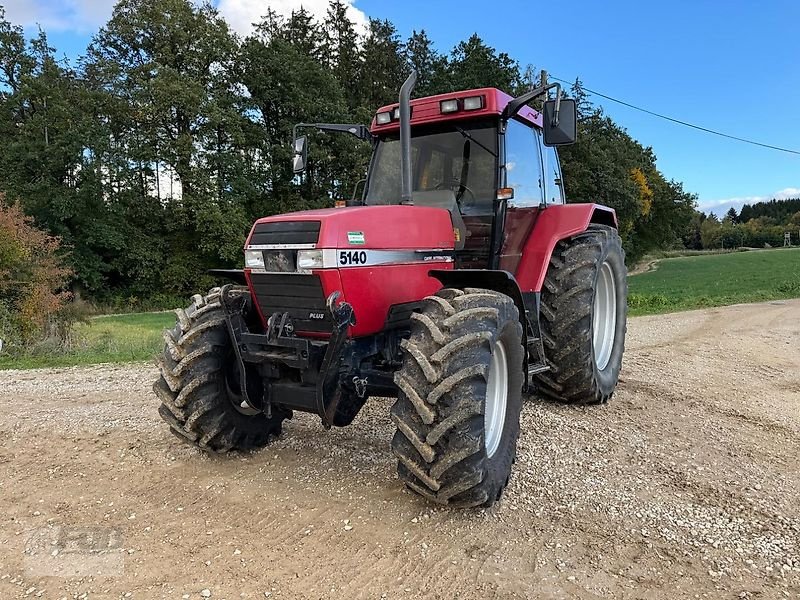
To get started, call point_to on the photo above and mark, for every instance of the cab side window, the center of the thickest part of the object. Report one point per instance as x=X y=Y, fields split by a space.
x=554 y=189
x=523 y=165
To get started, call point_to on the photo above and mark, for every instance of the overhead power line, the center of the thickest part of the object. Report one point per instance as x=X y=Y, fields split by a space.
x=679 y=122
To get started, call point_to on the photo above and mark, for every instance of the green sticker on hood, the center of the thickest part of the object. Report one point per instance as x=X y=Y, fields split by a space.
x=355 y=237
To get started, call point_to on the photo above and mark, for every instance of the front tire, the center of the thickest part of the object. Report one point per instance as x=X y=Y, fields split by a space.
x=198 y=383
x=460 y=397
x=583 y=317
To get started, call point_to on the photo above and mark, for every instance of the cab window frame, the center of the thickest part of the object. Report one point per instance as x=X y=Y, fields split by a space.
x=524 y=129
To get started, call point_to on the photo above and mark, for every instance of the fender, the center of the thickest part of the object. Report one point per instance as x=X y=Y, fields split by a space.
x=235 y=275
x=499 y=281
x=556 y=223
x=503 y=282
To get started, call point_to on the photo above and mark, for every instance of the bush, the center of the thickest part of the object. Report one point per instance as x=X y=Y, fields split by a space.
x=33 y=299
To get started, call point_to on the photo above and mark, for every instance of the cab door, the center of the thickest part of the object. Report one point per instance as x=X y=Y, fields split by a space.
x=524 y=170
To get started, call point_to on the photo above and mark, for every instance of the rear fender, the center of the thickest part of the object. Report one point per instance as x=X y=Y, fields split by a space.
x=556 y=223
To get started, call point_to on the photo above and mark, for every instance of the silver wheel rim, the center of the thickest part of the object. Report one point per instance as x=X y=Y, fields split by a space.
x=604 y=316
x=494 y=414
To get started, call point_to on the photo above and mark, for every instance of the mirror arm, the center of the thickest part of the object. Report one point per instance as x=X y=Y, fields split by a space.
x=515 y=105
x=360 y=131
x=557 y=108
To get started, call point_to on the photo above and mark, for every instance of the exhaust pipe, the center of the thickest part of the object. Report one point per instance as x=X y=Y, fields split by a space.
x=405 y=138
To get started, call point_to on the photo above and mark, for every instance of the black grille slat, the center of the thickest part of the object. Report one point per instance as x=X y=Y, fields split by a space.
x=282 y=279
x=296 y=294
x=285 y=232
x=283 y=304
x=289 y=291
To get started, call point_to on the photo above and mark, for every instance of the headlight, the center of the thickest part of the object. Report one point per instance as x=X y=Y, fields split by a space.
x=309 y=259
x=473 y=103
x=448 y=106
x=254 y=259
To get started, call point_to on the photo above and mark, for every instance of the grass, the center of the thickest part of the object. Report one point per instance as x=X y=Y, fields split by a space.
x=676 y=284
x=715 y=280
x=114 y=339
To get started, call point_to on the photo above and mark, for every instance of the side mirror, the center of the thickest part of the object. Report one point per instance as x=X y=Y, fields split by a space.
x=300 y=155
x=565 y=129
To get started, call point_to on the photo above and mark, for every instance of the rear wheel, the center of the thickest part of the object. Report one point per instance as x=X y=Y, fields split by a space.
x=460 y=396
x=584 y=317
x=199 y=384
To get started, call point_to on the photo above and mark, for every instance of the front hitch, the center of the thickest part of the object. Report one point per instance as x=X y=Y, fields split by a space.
x=329 y=390
x=280 y=346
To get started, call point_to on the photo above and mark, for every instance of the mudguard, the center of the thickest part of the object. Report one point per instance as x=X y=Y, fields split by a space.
x=556 y=223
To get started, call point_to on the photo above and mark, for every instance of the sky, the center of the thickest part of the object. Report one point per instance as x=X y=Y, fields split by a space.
x=728 y=65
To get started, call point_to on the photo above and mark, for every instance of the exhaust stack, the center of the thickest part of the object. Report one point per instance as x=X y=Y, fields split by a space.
x=405 y=138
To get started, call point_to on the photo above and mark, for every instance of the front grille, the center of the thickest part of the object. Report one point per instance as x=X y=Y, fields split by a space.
x=285 y=232
x=299 y=295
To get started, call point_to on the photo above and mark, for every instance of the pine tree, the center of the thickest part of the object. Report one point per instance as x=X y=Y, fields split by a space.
x=341 y=49
x=383 y=65
x=473 y=64
x=431 y=67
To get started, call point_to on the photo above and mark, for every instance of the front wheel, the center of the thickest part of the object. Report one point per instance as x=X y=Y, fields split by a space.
x=584 y=317
x=199 y=383
x=460 y=397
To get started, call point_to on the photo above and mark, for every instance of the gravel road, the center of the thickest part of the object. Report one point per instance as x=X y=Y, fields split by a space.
x=685 y=486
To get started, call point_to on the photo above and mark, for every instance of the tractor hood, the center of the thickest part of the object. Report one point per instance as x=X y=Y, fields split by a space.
x=390 y=227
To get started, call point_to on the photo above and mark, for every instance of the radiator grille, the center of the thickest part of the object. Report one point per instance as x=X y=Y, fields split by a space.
x=299 y=295
x=285 y=232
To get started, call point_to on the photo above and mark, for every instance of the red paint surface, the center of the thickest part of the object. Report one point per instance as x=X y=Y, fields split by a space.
x=428 y=110
x=516 y=231
x=372 y=290
x=389 y=227
x=555 y=223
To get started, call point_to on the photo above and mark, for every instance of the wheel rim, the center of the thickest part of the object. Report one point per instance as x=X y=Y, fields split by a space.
x=494 y=414
x=604 y=316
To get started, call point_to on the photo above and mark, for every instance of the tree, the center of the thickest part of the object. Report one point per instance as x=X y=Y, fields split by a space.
x=162 y=71
x=383 y=65
x=473 y=64
x=711 y=233
x=341 y=50
x=732 y=216
x=583 y=105
x=32 y=277
x=431 y=66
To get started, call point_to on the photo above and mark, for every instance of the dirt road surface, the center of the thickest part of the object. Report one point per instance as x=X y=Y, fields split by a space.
x=685 y=486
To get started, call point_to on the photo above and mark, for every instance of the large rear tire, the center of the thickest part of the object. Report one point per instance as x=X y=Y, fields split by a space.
x=584 y=317
x=460 y=396
x=199 y=384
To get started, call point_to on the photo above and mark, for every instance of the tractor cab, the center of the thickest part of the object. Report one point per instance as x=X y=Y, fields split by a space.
x=474 y=153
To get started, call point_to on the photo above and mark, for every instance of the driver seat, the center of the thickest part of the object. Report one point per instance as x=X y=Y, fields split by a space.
x=444 y=199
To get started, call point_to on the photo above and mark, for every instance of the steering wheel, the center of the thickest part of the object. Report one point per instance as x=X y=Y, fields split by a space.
x=462 y=189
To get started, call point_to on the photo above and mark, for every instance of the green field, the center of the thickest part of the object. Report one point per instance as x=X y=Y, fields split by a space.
x=675 y=284
x=715 y=280
x=117 y=339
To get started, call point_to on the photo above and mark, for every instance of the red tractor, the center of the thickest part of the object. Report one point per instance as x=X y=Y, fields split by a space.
x=457 y=282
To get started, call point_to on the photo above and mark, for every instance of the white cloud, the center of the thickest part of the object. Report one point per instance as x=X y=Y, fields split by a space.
x=83 y=16
x=722 y=206
x=86 y=16
x=241 y=14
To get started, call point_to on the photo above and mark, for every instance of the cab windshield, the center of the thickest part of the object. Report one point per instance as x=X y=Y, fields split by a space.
x=457 y=156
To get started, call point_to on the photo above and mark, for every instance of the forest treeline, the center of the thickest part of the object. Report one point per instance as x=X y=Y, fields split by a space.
x=150 y=155
x=758 y=225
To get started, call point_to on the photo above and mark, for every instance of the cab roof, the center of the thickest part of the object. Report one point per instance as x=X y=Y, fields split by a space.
x=429 y=109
